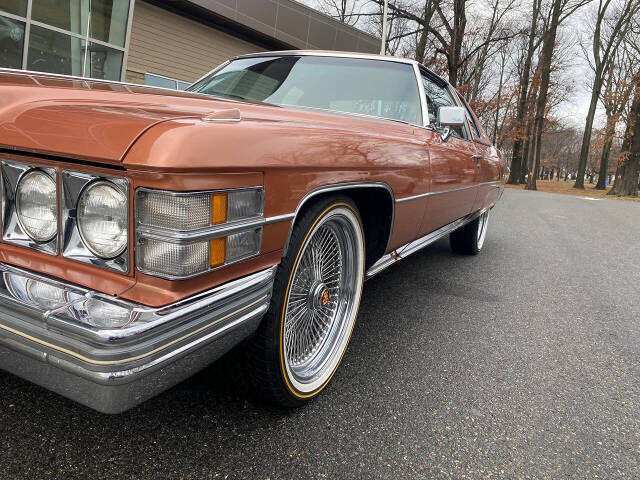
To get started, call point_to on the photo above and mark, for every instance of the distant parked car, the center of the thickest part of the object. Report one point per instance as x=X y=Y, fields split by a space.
x=145 y=232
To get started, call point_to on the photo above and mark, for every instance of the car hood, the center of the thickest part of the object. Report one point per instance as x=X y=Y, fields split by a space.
x=87 y=119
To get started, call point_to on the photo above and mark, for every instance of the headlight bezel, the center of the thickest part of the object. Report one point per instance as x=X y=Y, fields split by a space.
x=73 y=184
x=12 y=230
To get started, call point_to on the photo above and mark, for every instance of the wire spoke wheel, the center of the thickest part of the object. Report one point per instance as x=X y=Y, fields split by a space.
x=322 y=300
x=482 y=228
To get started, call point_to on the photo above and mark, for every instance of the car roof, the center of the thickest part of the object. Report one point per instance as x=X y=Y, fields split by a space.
x=334 y=53
x=328 y=53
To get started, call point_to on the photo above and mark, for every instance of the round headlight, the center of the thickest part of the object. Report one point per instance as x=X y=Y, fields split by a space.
x=37 y=205
x=102 y=219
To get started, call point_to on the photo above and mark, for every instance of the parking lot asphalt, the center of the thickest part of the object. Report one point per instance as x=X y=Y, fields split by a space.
x=522 y=362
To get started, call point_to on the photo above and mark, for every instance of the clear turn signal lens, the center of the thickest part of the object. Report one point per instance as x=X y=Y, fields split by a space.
x=171 y=259
x=244 y=204
x=244 y=244
x=173 y=212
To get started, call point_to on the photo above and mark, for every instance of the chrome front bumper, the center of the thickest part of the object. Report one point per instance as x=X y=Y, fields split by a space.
x=110 y=354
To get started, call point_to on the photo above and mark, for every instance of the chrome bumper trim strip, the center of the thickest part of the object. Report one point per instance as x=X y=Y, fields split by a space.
x=74 y=347
x=134 y=358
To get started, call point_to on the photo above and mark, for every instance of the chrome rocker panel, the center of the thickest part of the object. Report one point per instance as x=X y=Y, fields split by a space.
x=412 y=247
x=114 y=369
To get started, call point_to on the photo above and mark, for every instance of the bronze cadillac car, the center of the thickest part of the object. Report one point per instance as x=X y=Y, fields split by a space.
x=146 y=232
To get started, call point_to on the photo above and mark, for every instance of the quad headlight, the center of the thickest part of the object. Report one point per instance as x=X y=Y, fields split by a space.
x=102 y=219
x=180 y=235
x=37 y=205
x=84 y=216
x=95 y=219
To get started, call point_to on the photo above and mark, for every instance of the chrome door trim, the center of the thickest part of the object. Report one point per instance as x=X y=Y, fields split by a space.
x=412 y=247
x=338 y=187
x=442 y=192
x=423 y=95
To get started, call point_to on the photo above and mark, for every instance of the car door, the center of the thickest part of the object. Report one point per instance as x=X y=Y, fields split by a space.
x=489 y=171
x=453 y=162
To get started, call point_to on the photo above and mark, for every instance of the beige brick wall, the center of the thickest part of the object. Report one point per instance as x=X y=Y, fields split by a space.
x=167 y=44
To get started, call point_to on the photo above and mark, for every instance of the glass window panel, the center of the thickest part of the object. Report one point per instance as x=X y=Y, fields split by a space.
x=17 y=7
x=109 y=20
x=157 y=81
x=440 y=96
x=103 y=62
x=363 y=86
x=11 y=43
x=183 y=85
x=108 y=17
x=54 y=52
x=475 y=132
x=71 y=15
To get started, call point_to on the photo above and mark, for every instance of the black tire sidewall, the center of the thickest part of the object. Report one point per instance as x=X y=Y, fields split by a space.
x=280 y=389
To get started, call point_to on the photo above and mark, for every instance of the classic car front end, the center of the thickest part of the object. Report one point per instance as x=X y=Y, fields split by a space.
x=146 y=232
x=102 y=349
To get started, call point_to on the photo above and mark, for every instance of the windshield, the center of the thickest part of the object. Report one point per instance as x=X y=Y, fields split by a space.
x=352 y=85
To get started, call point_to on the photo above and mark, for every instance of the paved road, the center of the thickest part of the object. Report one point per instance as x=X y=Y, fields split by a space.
x=523 y=362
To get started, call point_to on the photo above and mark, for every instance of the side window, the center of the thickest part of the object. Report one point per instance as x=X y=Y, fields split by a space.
x=474 y=128
x=439 y=96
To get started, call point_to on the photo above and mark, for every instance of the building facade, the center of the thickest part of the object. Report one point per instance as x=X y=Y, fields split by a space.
x=167 y=43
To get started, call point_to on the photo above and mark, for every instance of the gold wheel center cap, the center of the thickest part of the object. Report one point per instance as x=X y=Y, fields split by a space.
x=318 y=296
x=324 y=298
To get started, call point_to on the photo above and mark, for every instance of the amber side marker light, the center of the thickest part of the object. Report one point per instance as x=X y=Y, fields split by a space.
x=218 y=246
x=217 y=250
x=218 y=208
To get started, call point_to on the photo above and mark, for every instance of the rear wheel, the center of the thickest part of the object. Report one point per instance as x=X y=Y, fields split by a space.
x=469 y=239
x=317 y=290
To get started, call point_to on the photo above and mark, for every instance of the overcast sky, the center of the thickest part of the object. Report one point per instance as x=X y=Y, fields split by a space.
x=575 y=109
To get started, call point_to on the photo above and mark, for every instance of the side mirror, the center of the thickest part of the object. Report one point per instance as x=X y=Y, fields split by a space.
x=450 y=117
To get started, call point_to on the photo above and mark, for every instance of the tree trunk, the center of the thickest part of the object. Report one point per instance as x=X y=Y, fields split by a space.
x=604 y=164
x=627 y=184
x=526 y=155
x=516 y=163
x=615 y=179
x=457 y=36
x=515 y=176
x=586 y=137
x=546 y=57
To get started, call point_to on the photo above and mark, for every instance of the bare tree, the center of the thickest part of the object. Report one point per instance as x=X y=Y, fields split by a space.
x=560 y=10
x=346 y=11
x=629 y=162
x=618 y=87
x=611 y=24
x=520 y=124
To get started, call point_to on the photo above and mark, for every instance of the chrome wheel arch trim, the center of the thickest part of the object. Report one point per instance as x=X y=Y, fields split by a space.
x=336 y=187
